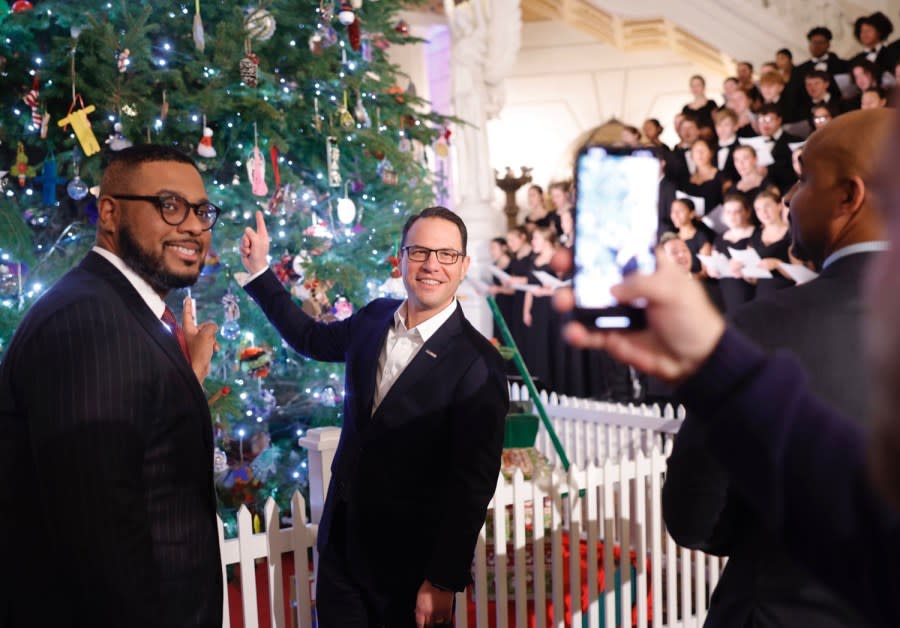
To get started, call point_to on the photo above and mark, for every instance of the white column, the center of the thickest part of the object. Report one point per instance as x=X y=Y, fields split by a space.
x=320 y=444
x=485 y=42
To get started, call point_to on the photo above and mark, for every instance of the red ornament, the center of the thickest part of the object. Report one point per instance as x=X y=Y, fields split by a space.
x=402 y=27
x=354 y=34
x=21 y=5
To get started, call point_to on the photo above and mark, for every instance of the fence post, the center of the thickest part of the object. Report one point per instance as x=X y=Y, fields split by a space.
x=320 y=443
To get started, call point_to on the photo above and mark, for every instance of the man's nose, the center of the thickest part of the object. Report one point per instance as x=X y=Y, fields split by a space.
x=431 y=262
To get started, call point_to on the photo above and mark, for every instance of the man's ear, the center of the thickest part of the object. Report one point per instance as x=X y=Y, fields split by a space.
x=108 y=214
x=853 y=195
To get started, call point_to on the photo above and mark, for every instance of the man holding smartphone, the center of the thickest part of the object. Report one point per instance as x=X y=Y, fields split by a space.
x=419 y=456
x=799 y=465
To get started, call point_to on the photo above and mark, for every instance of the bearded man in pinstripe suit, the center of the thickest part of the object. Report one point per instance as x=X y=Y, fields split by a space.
x=107 y=506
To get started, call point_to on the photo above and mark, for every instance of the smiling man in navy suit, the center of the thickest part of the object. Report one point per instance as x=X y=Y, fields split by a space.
x=419 y=454
x=108 y=511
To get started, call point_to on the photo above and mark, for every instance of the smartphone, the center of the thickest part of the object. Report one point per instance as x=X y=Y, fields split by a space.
x=616 y=216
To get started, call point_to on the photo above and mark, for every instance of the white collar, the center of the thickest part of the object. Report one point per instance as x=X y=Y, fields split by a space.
x=824 y=57
x=148 y=294
x=428 y=327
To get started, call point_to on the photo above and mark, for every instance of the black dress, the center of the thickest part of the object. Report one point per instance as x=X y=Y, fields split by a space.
x=735 y=292
x=504 y=304
x=710 y=191
x=518 y=268
x=550 y=220
x=695 y=243
x=703 y=115
x=778 y=250
x=543 y=331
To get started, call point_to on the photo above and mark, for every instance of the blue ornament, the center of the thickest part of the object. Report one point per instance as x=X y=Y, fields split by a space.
x=230 y=330
x=77 y=189
x=49 y=180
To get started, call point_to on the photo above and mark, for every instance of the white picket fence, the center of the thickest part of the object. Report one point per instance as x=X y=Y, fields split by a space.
x=608 y=501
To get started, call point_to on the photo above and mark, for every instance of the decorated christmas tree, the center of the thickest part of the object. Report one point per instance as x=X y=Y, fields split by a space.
x=289 y=106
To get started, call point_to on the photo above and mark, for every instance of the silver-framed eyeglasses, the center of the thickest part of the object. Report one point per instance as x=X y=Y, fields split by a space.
x=448 y=257
x=174 y=209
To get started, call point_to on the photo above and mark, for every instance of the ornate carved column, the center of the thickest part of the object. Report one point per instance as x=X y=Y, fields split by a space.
x=485 y=43
x=510 y=185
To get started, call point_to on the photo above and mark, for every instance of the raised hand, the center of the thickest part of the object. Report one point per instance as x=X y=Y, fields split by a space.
x=201 y=339
x=255 y=246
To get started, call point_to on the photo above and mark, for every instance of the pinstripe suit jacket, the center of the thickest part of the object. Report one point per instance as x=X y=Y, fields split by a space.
x=107 y=506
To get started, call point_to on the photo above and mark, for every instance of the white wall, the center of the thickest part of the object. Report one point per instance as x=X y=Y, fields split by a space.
x=565 y=83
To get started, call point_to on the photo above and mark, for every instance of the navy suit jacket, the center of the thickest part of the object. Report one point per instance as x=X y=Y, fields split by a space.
x=107 y=509
x=820 y=322
x=416 y=475
x=801 y=467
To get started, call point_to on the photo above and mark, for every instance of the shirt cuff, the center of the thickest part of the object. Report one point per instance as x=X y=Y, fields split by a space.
x=244 y=278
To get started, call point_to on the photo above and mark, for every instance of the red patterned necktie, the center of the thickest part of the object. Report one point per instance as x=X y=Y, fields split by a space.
x=168 y=318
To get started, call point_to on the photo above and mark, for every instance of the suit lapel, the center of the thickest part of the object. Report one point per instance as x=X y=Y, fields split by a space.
x=430 y=355
x=138 y=309
x=369 y=355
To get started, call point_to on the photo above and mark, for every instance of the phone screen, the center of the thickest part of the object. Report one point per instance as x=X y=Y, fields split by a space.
x=615 y=229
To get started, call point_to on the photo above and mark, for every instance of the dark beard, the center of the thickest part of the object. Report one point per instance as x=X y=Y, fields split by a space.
x=150 y=266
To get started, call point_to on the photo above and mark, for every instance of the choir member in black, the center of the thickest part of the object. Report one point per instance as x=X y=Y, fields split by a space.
x=518 y=269
x=865 y=75
x=538 y=214
x=736 y=215
x=772 y=87
x=679 y=165
x=873 y=98
x=652 y=130
x=772 y=242
x=561 y=199
x=873 y=31
x=696 y=235
x=503 y=295
x=726 y=130
x=542 y=325
x=751 y=181
x=706 y=181
x=666 y=194
x=700 y=107
x=740 y=102
x=779 y=141
x=745 y=81
x=823 y=114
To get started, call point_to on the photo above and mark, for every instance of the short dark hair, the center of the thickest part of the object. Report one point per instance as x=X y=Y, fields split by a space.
x=747 y=63
x=819 y=74
x=738 y=197
x=882 y=93
x=686 y=202
x=784 y=51
x=819 y=30
x=124 y=161
x=768 y=109
x=535 y=186
x=879 y=21
x=500 y=241
x=870 y=68
x=437 y=212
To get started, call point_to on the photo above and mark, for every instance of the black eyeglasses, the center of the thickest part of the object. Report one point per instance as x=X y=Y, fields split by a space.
x=174 y=209
x=448 y=257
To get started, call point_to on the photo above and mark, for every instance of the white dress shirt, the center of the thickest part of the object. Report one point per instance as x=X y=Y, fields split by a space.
x=402 y=345
x=148 y=294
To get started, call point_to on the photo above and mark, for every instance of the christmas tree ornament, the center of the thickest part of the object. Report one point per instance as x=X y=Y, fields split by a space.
x=21 y=169
x=260 y=24
x=205 y=147
x=4 y=179
x=32 y=99
x=10 y=279
x=256 y=361
x=404 y=145
x=235 y=180
x=354 y=35
x=220 y=462
x=48 y=179
x=256 y=168
x=122 y=61
x=45 y=124
x=346 y=16
x=78 y=118
x=333 y=157
x=117 y=141
x=197 y=29
x=21 y=5
x=359 y=110
x=317 y=117
x=402 y=27
x=130 y=110
x=249 y=66
x=388 y=174
x=231 y=328
x=343 y=309
x=315 y=43
x=442 y=145
x=344 y=115
x=164 y=107
x=356 y=4
x=346 y=208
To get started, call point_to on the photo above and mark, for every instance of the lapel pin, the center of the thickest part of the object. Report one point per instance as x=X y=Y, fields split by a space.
x=431 y=353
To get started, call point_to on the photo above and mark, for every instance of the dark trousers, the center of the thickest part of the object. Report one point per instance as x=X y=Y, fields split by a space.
x=348 y=595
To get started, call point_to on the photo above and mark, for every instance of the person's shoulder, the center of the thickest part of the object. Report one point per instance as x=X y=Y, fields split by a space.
x=380 y=306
